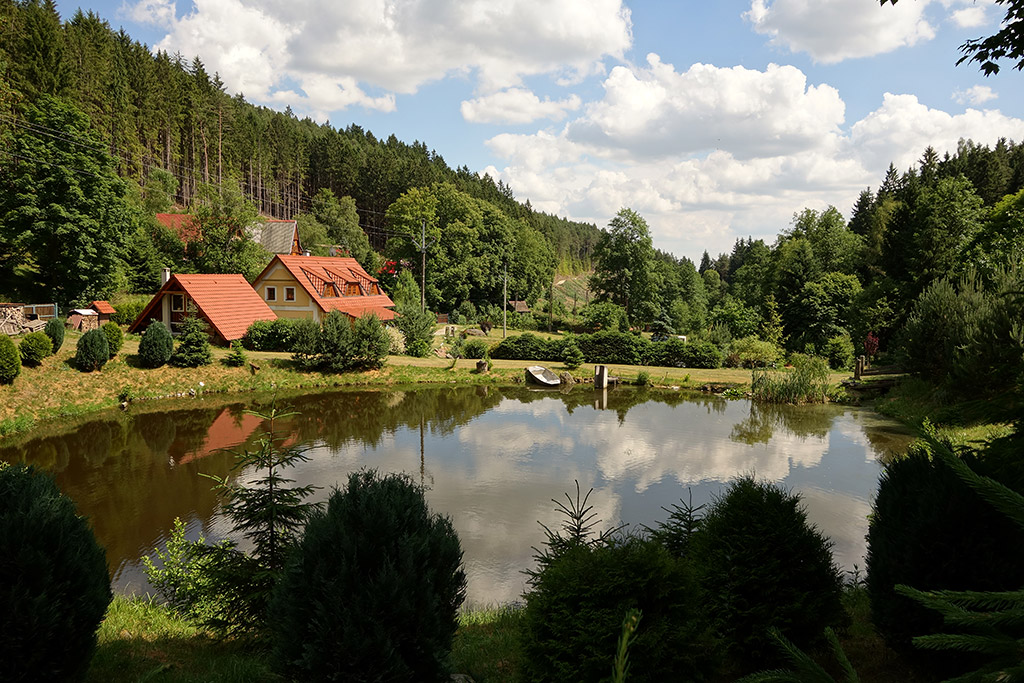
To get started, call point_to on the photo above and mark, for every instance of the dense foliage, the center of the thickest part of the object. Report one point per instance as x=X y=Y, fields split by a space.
x=34 y=347
x=762 y=565
x=10 y=360
x=156 y=345
x=193 y=348
x=929 y=530
x=270 y=335
x=93 y=351
x=54 y=585
x=55 y=331
x=373 y=590
x=115 y=337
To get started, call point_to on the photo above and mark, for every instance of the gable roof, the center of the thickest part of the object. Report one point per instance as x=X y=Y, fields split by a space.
x=276 y=236
x=103 y=307
x=228 y=302
x=319 y=274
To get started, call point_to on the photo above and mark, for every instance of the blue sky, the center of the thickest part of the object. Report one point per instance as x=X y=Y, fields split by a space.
x=713 y=120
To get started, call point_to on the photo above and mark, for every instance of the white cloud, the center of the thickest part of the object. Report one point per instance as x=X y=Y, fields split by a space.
x=516 y=106
x=709 y=155
x=833 y=30
x=978 y=94
x=970 y=17
x=386 y=47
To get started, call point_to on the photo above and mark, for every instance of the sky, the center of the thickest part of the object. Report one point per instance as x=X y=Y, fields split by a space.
x=714 y=120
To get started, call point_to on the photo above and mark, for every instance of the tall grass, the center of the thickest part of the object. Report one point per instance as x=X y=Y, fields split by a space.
x=806 y=383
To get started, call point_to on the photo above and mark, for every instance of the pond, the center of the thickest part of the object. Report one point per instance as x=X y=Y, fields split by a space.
x=491 y=458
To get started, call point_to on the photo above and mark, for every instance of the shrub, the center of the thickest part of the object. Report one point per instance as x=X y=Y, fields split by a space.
x=604 y=316
x=125 y=312
x=10 y=360
x=156 y=345
x=929 y=530
x=373 y=590
x=669 y=353
x=193 y=344
x=115 y=337
x=583 y=588
x=54 y=585
x=55 y=331
x=701 y=354
x=619 y=348
x=761 y=566
x=521 y=347
x=269 y=335
x=839 y=351
x=416 y=325
x=306 y=343
x=417 y=348
x=236 y=358
x=92 y=352
x=572 y=357
x=475 y=348
x=371 y=343
x=467 y=311
x=335 y=351
x=34 y=347
x=754 y=353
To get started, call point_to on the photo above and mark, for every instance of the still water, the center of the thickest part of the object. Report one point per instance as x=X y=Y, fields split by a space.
x=491 y=458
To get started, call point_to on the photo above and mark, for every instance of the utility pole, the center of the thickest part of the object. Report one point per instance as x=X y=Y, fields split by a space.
x=423 y=263
x=504 y=304
x=551 y=306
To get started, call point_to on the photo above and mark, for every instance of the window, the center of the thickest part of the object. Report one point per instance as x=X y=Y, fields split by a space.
x=271 y=293
x=289 y=294
x=177 y=302
x=352 y=289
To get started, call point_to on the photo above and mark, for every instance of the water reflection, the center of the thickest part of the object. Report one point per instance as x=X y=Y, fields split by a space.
x=492 y=458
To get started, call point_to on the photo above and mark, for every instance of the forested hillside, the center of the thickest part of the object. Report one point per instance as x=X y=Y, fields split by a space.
x=172 y=135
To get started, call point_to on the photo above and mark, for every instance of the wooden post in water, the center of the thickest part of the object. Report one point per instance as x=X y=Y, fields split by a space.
x=859 y=368
x=600 y=376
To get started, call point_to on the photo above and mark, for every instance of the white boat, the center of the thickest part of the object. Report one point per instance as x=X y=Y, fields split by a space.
x=542 y=376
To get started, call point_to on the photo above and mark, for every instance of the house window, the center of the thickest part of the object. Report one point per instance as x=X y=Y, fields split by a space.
x=352 y=289
x=177 y=303
x=271 y=293
x=289 y=294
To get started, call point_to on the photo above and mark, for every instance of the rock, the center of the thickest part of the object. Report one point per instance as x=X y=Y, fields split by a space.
x=475 y=332
x=567 y=379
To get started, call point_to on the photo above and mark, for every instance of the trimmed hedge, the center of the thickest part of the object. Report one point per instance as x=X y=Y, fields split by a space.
x=156 y=345
x=93 y=351
x=115 y=337
x=613 y=348
x=270 y=335
x=55 y=331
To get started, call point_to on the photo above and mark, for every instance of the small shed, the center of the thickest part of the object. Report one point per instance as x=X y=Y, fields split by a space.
x=519 y=306
x=104 y=310
x=83 y=319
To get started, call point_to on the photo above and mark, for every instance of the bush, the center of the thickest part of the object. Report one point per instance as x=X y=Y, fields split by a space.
x=54 y=585
x=115 y=337
x=34 y=347
x=269 y=335
x=193 y=344
x=416 y=326
x=373 y=590
x=572 y=357
x=839 y=350
x=156 y=345
x=10 y=360
x=929 y=530
x=334 y=352
x=618 y=348
x=55 y=331
x=125 y=312
x=754 y=353
x=806 y=383
x=761 y=566
x=92 y=352
x=582 y=589
x=371 y=343
x=522 y=347
x=604 y=316
x=701 y=354
x=306 y=343
x=237 y=357
x=670 y=353
x=417 y=348
x=475 y=348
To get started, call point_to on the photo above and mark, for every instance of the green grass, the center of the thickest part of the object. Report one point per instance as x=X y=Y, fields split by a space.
x=956 y=418
x=142 y=641
x=486 y=645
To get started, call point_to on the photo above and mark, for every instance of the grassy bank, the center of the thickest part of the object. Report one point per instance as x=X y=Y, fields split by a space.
x=55 y=390
x=141 y=640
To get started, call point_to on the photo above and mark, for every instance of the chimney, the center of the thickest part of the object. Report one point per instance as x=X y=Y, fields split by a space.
x=165 y=275
x=306 y=252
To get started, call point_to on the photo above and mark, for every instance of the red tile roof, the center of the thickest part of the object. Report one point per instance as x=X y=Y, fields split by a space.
x=227 y=302
x=181 y=224
x=314 y=273
x=103 y=307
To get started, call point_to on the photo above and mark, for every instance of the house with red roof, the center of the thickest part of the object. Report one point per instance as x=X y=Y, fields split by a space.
x=312 y=286
x=183 y=225
x=227 y=303
x=104 y=310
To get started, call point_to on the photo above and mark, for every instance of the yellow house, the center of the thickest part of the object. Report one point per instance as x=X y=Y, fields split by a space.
x=311 y=286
